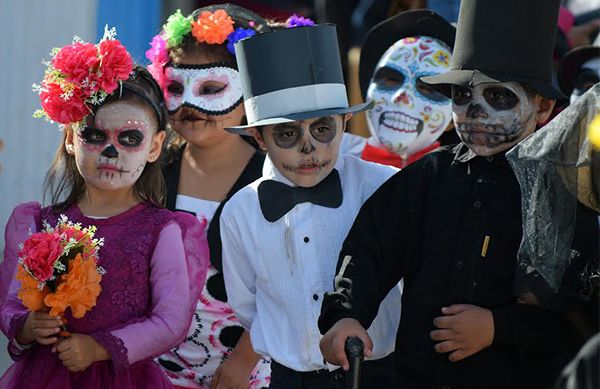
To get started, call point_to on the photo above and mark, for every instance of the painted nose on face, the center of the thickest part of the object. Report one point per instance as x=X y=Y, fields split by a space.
x=110 y=152
x=476 y=111
x=402 y=98
x=307 y=147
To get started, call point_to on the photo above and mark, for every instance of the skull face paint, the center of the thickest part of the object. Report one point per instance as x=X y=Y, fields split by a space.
x=305 y=152
x=213 y=89
x=111 y=152
x=493 y=117
x=408 y=115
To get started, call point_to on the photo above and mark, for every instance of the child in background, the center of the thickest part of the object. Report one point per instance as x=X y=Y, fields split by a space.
x=106 y=173
x=194 y=62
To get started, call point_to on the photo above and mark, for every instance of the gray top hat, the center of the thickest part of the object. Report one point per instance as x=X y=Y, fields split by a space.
x=292 y=74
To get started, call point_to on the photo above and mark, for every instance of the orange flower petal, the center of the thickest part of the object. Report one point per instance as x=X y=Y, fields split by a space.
x=212 y=27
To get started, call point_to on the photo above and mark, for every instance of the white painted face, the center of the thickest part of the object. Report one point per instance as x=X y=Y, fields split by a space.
x=111 y=152
x=493 y=117
x=213 y=89
x=408 y=115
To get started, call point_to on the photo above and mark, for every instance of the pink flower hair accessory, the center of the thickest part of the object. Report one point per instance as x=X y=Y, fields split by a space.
x=81 y=75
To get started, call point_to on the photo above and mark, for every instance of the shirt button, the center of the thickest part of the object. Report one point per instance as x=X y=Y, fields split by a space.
x=306 y=239
x=459 y=264
x=315 y=297
x=477 y=204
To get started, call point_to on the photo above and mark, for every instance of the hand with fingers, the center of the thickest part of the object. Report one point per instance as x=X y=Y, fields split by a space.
x=39 y=327
x=333 y=342
x=79 y=351
x=463 y=330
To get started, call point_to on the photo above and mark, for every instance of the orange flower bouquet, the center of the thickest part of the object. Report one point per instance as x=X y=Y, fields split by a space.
x=58 y=269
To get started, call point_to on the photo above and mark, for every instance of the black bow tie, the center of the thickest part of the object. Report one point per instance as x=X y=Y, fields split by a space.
x=276 y=198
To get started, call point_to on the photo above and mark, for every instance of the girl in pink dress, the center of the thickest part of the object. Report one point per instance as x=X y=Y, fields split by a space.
x=106 y=173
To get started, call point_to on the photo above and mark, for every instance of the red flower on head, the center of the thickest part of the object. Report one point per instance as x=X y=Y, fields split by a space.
x=39 y=253
x=116 y=64
x=77 y=61
x=60 y=110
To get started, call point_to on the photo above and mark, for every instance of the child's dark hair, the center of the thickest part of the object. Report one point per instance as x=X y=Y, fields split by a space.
x=65 y=185
x=242 y=18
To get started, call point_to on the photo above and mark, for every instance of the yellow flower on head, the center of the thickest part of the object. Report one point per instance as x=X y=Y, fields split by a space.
x=441 y=58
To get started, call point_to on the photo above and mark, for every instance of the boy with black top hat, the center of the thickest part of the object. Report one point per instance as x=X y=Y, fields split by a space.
x=467 y=321
x=282 y=233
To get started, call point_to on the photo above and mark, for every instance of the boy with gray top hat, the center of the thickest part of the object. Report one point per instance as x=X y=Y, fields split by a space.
x=282 y=233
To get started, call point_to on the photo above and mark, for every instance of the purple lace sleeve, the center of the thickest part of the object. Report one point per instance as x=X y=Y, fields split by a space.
x=178 y=270
x=115 y=347
x=25 y=218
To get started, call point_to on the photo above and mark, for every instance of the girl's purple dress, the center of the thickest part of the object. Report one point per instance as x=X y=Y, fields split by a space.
x=155 y=262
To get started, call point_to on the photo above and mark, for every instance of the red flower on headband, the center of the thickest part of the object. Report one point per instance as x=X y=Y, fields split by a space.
x=212 y=27
x=116 y=64
x=76 y=60
x=59 y=107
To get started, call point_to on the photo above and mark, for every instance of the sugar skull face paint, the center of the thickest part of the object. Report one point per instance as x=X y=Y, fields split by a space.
x=409 y=115
x=213 y=89
x=112 y=150
x=304 y=152
x=493 y=117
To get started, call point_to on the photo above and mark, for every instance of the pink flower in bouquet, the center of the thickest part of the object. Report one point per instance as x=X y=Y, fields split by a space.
x=39 y=253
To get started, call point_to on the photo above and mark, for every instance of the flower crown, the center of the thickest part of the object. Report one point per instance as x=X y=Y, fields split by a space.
x=80 y=75
x=209 y=27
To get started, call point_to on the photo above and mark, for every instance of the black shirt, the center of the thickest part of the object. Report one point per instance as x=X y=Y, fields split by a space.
x=449 y=225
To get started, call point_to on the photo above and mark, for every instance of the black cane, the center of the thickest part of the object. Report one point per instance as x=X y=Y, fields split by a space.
x=355 y=354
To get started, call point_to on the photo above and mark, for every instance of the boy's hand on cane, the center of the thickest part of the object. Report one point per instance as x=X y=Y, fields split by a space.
x=463 y=331
x=333 y=342
x=39 y=327
x=79 y=351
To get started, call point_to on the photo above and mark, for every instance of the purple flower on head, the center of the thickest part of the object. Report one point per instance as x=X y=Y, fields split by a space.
x=238 y=34
x=298 y=21
x=158 y=52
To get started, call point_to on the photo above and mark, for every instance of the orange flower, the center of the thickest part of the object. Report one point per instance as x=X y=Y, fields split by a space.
x=78 y=290
x=29 y=294
x=212 y=27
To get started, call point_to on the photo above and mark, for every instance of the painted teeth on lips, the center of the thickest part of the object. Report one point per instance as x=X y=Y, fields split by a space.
x=400 y=122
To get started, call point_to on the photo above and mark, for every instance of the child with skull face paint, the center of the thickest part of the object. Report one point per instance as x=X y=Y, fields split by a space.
x=409 y=116
x=106 y=173
x=281 y=234
x=465 y=322
x=194 y=61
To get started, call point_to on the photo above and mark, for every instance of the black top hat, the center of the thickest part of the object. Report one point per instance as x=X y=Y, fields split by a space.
x=571 y=63
x=501 y=41
x=292 y=74
x=419 y=22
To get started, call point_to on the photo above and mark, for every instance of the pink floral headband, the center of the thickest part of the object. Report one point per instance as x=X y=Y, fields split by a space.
x=210 y=27
x=81 y=75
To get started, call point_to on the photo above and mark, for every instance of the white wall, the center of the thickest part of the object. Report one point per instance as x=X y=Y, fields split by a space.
x=28 y=32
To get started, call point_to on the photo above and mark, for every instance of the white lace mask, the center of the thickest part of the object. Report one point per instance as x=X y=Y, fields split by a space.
x=214 y=89
x=408 y=115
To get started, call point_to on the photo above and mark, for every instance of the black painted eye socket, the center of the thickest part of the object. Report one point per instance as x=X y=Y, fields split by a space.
x=428 y=92
x=461 y=95
x=131 y=138
x=286 y=137
x=93 y=136
x=175 y=88
x=500 y=98
x=388 y=78
x=323 y=133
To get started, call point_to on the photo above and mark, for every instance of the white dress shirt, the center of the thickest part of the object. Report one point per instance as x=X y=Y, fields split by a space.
x=276 y=273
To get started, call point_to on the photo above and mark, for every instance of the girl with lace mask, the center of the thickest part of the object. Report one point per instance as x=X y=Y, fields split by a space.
x=408 y=116
x=194 y=61
x=106 y=173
